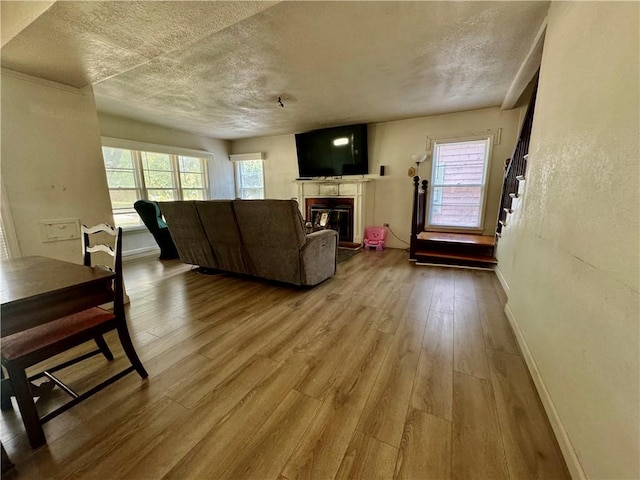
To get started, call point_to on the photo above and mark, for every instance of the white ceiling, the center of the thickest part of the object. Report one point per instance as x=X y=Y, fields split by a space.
x=218 y=68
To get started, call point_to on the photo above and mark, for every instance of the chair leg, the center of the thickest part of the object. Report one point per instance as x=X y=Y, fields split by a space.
x=24 y=398
x=127 y=345
x=104 y=348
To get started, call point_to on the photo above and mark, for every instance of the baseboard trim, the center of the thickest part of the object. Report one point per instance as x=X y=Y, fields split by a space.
x=502 y=280
x=568 y=451
x=137 y=253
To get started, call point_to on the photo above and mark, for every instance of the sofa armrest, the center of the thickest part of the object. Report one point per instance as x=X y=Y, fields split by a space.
x=318 y=256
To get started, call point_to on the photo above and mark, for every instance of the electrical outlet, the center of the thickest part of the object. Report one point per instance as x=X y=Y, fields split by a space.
x=385 y=224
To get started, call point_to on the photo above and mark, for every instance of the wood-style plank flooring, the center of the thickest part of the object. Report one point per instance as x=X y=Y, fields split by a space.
x=385 y=371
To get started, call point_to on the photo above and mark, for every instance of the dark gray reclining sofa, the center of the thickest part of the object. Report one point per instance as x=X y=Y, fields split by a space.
x=264 y=238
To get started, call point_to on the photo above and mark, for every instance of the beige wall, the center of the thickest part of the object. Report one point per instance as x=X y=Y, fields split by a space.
x=15 y=16
x=391 y=144
x=51 y=161
x=280 y=165
x=573 y=254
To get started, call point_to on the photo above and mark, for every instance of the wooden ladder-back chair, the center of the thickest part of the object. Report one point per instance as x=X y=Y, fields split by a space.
x=27 y=348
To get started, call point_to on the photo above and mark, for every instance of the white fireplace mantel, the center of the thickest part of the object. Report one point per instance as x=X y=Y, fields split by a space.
x=359 y=189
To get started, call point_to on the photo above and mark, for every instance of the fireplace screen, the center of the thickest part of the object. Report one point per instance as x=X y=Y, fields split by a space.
x=338 y=219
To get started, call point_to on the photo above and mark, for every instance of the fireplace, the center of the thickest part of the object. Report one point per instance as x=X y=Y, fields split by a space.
x=334 y=213
x=347 y=205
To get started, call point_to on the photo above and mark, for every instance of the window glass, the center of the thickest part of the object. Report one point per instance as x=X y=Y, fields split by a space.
x=193 y=194
x=117 y=158
x=458 y=184
x=133 y=175
x=157 y=170
x=160 y=195
x=156 y=161
x=249 y=179
x=191 y=164
x=120 y=168
x=193 y=178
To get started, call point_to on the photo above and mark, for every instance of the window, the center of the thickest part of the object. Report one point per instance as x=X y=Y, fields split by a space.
x=249 y=179
x=133 y=175
x=458 y=183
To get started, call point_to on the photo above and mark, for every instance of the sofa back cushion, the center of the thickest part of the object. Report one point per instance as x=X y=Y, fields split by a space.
x=273 y=234
x=188 y=234
x=220 y=226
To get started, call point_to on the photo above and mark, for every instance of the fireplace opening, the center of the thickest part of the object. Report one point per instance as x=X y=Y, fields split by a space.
x=333 y=213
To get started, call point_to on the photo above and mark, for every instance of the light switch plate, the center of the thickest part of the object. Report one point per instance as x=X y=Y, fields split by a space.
x=59 y=229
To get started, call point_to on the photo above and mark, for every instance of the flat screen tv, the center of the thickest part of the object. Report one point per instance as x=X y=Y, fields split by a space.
x=333 y=152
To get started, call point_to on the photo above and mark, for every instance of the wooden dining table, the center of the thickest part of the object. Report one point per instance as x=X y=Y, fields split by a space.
x=35 y=290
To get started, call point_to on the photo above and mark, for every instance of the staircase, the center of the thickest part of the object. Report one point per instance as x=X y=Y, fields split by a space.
x=467 y=250
x=508 y=213
x=514 y=178
x=456 y=249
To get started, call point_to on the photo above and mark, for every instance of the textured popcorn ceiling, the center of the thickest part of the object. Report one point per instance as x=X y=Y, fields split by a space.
x=217 y=68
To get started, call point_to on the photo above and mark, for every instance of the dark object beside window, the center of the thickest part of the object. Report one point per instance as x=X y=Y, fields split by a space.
x=151 y=215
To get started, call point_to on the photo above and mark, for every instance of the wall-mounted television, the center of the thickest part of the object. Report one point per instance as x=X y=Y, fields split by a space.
x=333 y=152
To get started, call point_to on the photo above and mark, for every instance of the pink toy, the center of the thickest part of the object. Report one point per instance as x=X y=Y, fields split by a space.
x=375 y=237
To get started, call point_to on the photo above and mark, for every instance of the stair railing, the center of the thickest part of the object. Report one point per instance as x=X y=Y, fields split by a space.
x=517 y=166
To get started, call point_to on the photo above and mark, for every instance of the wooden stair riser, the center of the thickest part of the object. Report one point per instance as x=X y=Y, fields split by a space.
x=461 y=248
x=425 y=258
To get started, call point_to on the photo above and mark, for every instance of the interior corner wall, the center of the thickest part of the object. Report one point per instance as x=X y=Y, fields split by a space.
x=573 y=282
x=16 y=16
x=391 y=144
x=52 y=165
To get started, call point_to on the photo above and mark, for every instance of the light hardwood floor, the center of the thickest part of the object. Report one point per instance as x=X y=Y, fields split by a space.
x=387 y=370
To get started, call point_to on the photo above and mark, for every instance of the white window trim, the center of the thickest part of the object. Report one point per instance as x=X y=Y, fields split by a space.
x=236 y=158
x=491 y=137
x=153 y=147
x=137 y=148
x=241 y=157
x=236 y=176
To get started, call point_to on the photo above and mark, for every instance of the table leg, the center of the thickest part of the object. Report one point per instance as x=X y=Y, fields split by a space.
x=24 y=398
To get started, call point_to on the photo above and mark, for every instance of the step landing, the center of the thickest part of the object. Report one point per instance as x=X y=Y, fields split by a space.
x=456 y=249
